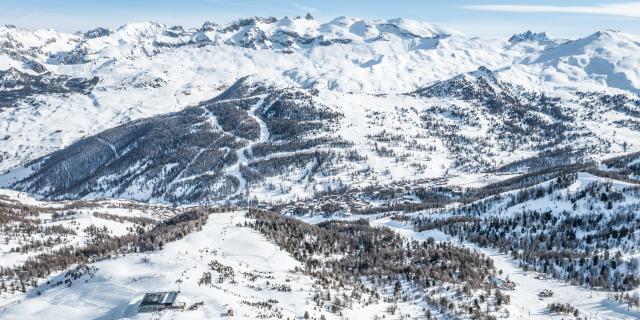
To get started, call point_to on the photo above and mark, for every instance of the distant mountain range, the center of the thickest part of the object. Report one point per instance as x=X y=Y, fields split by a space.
x=266 y=109
x=288 y=168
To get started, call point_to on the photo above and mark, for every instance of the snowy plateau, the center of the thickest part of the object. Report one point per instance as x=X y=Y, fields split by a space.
x=287 y=168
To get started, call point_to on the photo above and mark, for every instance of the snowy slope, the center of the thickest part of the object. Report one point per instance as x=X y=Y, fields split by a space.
x=116 y=287
x=585 y=191
x=112 y=288
x=345 y=119
x=264 y=140
x=525 y=302
x=266 y=283
x=580 y=213
x=146 y=69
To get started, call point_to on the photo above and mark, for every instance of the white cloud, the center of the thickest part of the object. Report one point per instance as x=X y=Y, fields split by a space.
x=629 y=9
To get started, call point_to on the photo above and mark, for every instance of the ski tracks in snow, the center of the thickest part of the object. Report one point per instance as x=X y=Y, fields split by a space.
x=108 y=144
x=234 y=170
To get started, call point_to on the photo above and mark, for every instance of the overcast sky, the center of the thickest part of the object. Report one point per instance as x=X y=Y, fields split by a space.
x=567 y=18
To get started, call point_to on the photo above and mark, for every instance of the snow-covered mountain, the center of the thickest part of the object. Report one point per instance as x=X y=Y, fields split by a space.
x=291 y=168
x=151 y=38
x=606 y=56
x=529 y=36
x=355 y=99
x=258 y=140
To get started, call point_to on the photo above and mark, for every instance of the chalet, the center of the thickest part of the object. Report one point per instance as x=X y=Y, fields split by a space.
x=504 y=284
x=156 y=301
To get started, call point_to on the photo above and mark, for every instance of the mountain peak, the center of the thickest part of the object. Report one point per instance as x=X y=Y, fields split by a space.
x=209 y=26
x=97 y=33
x=604 y=36
x=422 y=29
x=481 y=82
x=250 y=21
x=529 y=36
x=140 y=28
x=483 y=72
x=609 y=34
x=10 y=74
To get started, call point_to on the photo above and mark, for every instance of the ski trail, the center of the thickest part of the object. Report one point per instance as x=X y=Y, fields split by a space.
x=179 y=178
x=234 y=170
x=264 y=131
x=109 y=144
x=179 y=175
x=239 y=99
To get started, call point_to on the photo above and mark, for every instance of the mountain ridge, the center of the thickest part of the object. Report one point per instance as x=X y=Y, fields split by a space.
x=474 y=105
x=291 y=168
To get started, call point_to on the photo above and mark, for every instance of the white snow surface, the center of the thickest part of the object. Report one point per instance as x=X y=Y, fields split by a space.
x=119 y=283
x=390 y=57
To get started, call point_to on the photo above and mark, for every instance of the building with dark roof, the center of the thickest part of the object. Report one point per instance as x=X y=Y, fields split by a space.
x=156 y=301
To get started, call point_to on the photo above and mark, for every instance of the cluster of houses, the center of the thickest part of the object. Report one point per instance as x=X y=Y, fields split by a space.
x=504 y=284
